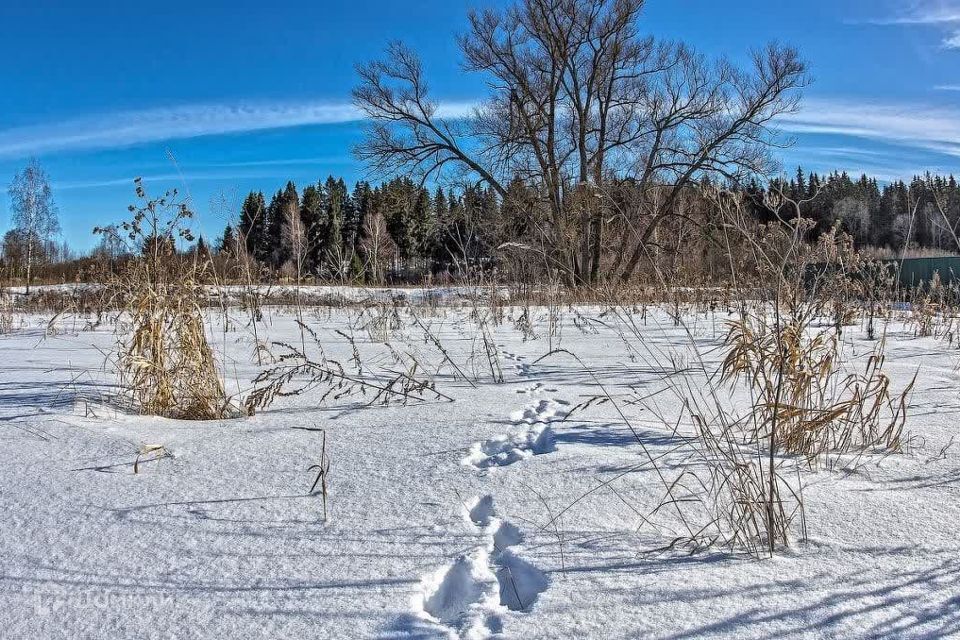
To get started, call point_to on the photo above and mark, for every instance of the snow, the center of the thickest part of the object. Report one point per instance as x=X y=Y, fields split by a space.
x=505 y=513
x=307 y=294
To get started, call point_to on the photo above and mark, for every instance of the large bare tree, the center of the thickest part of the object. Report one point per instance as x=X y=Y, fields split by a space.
x=579 y=100
x=34 y=212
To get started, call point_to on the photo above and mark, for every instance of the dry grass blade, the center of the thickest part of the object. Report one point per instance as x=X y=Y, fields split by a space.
x=297 y=372
x=157 y=451
x=323 y=471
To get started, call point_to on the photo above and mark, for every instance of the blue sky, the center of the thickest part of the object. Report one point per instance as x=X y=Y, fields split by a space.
x=218 y=98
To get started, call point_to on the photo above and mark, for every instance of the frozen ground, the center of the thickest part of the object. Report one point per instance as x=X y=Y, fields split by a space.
x=440 y=512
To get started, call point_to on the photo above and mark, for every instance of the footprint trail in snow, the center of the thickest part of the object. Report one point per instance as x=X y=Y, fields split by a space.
x=534 y=436
x=470 y=595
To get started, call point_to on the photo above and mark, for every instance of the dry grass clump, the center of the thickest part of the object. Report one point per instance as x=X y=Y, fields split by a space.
x=718 y=489
x=6 y=313
x=800 y=388
x=165 y=361
x=752 y=502
x=805 y=401
x=385 y=321
x=930 y=305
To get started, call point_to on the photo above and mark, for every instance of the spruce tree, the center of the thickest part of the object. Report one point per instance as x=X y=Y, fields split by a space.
x=314 y=221
x=273 y=242
x=396 y=206
x=253 y=226
x=362 y=203
x=421 y=225
x=349 y=219
x=201 y=249
x=278 y=252
x=335 y=192
x=227 y=244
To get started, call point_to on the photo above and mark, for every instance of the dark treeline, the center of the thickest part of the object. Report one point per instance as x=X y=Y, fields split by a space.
x=400 y=230
x=397 y=230
x=924 y=212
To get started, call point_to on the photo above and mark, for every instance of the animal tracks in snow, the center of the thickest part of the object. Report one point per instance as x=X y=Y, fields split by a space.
x=519 y=362
x=470 y=595
x=535 y=436
x=535 y=389
x=481 y=511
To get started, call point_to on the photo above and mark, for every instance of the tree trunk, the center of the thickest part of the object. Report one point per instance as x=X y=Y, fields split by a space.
x=29 y=263
x=597 y=247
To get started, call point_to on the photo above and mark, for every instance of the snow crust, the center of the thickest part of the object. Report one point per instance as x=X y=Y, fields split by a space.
x=444 y=517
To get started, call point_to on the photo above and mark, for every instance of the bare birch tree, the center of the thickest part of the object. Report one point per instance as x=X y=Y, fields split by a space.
x=34 y=212
x=295 y=238
x=377 y=246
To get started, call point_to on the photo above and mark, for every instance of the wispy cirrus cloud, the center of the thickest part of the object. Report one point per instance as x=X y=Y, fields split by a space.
x=211 y=171
x=932 y=13
x=923 y=13
x=128 y=128
x=922 y=127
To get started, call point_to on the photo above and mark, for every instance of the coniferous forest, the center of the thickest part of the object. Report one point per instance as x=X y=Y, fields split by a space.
x=403 y=231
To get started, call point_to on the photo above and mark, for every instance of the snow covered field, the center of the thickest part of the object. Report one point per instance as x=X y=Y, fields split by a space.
x=488 y=516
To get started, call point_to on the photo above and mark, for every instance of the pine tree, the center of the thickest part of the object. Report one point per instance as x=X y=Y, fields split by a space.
x=314 y=221
x=335 y=192
x=421 y=225
x=253 y=226
x=227 y=244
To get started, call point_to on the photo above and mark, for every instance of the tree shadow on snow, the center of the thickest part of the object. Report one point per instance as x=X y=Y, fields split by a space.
x=895 y=604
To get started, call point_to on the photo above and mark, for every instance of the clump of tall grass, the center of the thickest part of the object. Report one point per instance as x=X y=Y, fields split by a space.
x=750 y=501
x=716 y=489
x=6 y=313
x=802 y=393
x=806 y=402
x=164 y=359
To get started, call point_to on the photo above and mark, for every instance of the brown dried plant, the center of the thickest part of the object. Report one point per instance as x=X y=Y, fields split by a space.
x=164 y=361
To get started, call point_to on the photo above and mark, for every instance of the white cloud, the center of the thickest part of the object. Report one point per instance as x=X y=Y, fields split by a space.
x=152 y=180
x=952 y=42
x=925 y=127
x=924 y=12
x=129 y=128
x=932 y=13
